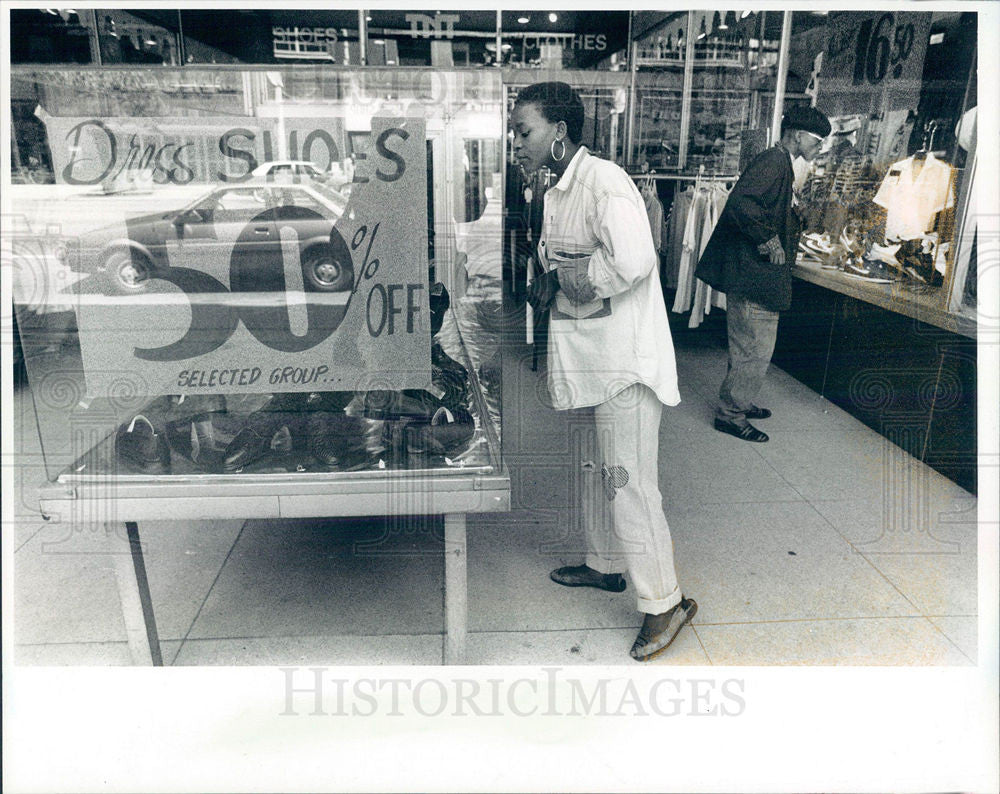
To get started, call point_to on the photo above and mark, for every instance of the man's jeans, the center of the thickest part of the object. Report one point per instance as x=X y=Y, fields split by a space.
x=752 y=331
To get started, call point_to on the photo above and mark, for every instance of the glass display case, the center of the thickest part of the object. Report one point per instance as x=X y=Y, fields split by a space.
x=883 y=207
x=263 y=284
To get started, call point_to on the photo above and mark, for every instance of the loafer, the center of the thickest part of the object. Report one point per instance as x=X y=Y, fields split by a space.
x=758 y=413
x=658 y=631
x=582 y=576
x=745 y=432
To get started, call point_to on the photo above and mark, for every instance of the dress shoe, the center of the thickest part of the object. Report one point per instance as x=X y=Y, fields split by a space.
x=583 y=576
x=336 y=440
x=247 y=447
x=746 y=432
x=658 y=631
x=758 y=413
x=141 y=448
x=446 y=432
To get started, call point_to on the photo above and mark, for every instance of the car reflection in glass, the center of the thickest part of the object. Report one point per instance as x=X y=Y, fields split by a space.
x=248 y=223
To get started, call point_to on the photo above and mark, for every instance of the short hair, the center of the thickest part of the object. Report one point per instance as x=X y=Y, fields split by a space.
x=799 y=117
x=556 y=102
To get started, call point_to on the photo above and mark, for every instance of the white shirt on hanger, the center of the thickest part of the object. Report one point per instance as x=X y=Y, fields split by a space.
x=912 y=201
x=595 y=219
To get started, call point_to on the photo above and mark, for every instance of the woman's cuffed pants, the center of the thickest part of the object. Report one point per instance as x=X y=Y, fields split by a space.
x=633 y=534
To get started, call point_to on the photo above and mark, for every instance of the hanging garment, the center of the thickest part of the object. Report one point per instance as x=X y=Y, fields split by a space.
x=689 y=255
x=706 y=207
x=654 y=211
x=677 y=218
x=913 y=196
x=704 y=296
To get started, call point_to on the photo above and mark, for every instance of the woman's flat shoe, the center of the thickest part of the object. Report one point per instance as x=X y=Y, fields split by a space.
x=758 y=413
x=658 y=631
x=582 y=576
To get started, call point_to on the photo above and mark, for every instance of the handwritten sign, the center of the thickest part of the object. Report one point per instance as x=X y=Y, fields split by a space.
x=872 y=58
x=275 y=287
x=89 y=151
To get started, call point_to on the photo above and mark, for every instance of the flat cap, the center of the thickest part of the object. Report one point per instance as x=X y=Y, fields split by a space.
x=808 y=119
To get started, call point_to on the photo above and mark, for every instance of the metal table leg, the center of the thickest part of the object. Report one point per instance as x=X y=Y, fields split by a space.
x=133 y=591
x=455 y=588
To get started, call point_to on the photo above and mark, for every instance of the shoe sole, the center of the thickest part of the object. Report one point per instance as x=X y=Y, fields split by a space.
x=690 y=613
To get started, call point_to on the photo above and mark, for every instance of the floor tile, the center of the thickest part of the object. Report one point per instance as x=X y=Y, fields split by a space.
x=927 y=547
x=699 y=464
x=85 y=654
x=328 y=576
x=906 y=520
x=65 y=597
x=836 y=464
x=575 y=647
x=182 y=561
x=73 y=654
x=778 y=561
x=963 y=631
x=880 y=641
x=413 y=649
x=510 y=589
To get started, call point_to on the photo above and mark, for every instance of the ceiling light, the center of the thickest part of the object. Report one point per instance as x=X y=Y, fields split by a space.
x=522 y=20
x=553 y=18
x=368 y=19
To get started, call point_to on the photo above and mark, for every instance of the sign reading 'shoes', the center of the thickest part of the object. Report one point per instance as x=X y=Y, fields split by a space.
x=269 y=286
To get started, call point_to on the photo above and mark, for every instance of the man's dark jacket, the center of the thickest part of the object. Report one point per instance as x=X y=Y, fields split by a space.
x=758 y=208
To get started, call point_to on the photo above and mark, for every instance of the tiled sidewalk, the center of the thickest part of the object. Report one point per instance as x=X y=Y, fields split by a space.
x=827 y=545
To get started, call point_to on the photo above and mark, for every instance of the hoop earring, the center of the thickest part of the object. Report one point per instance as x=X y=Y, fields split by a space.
x=552 y=149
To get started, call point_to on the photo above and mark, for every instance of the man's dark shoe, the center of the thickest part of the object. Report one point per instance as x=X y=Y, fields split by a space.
x=758 y=413
x=142 y=448
x=658 y=631
x=582 y=576
x=746 y=432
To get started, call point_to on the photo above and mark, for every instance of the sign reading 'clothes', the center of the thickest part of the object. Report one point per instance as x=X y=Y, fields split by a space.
x=269 y=286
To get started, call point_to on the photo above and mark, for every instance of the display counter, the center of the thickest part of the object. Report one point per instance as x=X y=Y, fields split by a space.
x=894 y=297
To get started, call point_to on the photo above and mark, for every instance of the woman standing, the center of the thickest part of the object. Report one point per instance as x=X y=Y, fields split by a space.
x=610 y=349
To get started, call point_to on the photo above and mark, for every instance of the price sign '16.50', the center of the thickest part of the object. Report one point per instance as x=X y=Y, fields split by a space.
x=875 y=51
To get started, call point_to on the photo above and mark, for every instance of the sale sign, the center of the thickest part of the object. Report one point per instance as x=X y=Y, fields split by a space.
x=261 y=287
x=873 y=61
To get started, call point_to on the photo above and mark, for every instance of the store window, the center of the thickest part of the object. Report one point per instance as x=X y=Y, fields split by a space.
x=244 y=286
x=705 y=83
x=880 y=204
x=52 y=35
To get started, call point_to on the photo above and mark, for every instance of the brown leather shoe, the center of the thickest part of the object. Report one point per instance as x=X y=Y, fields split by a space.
x=582 y=576
x=658 y=631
